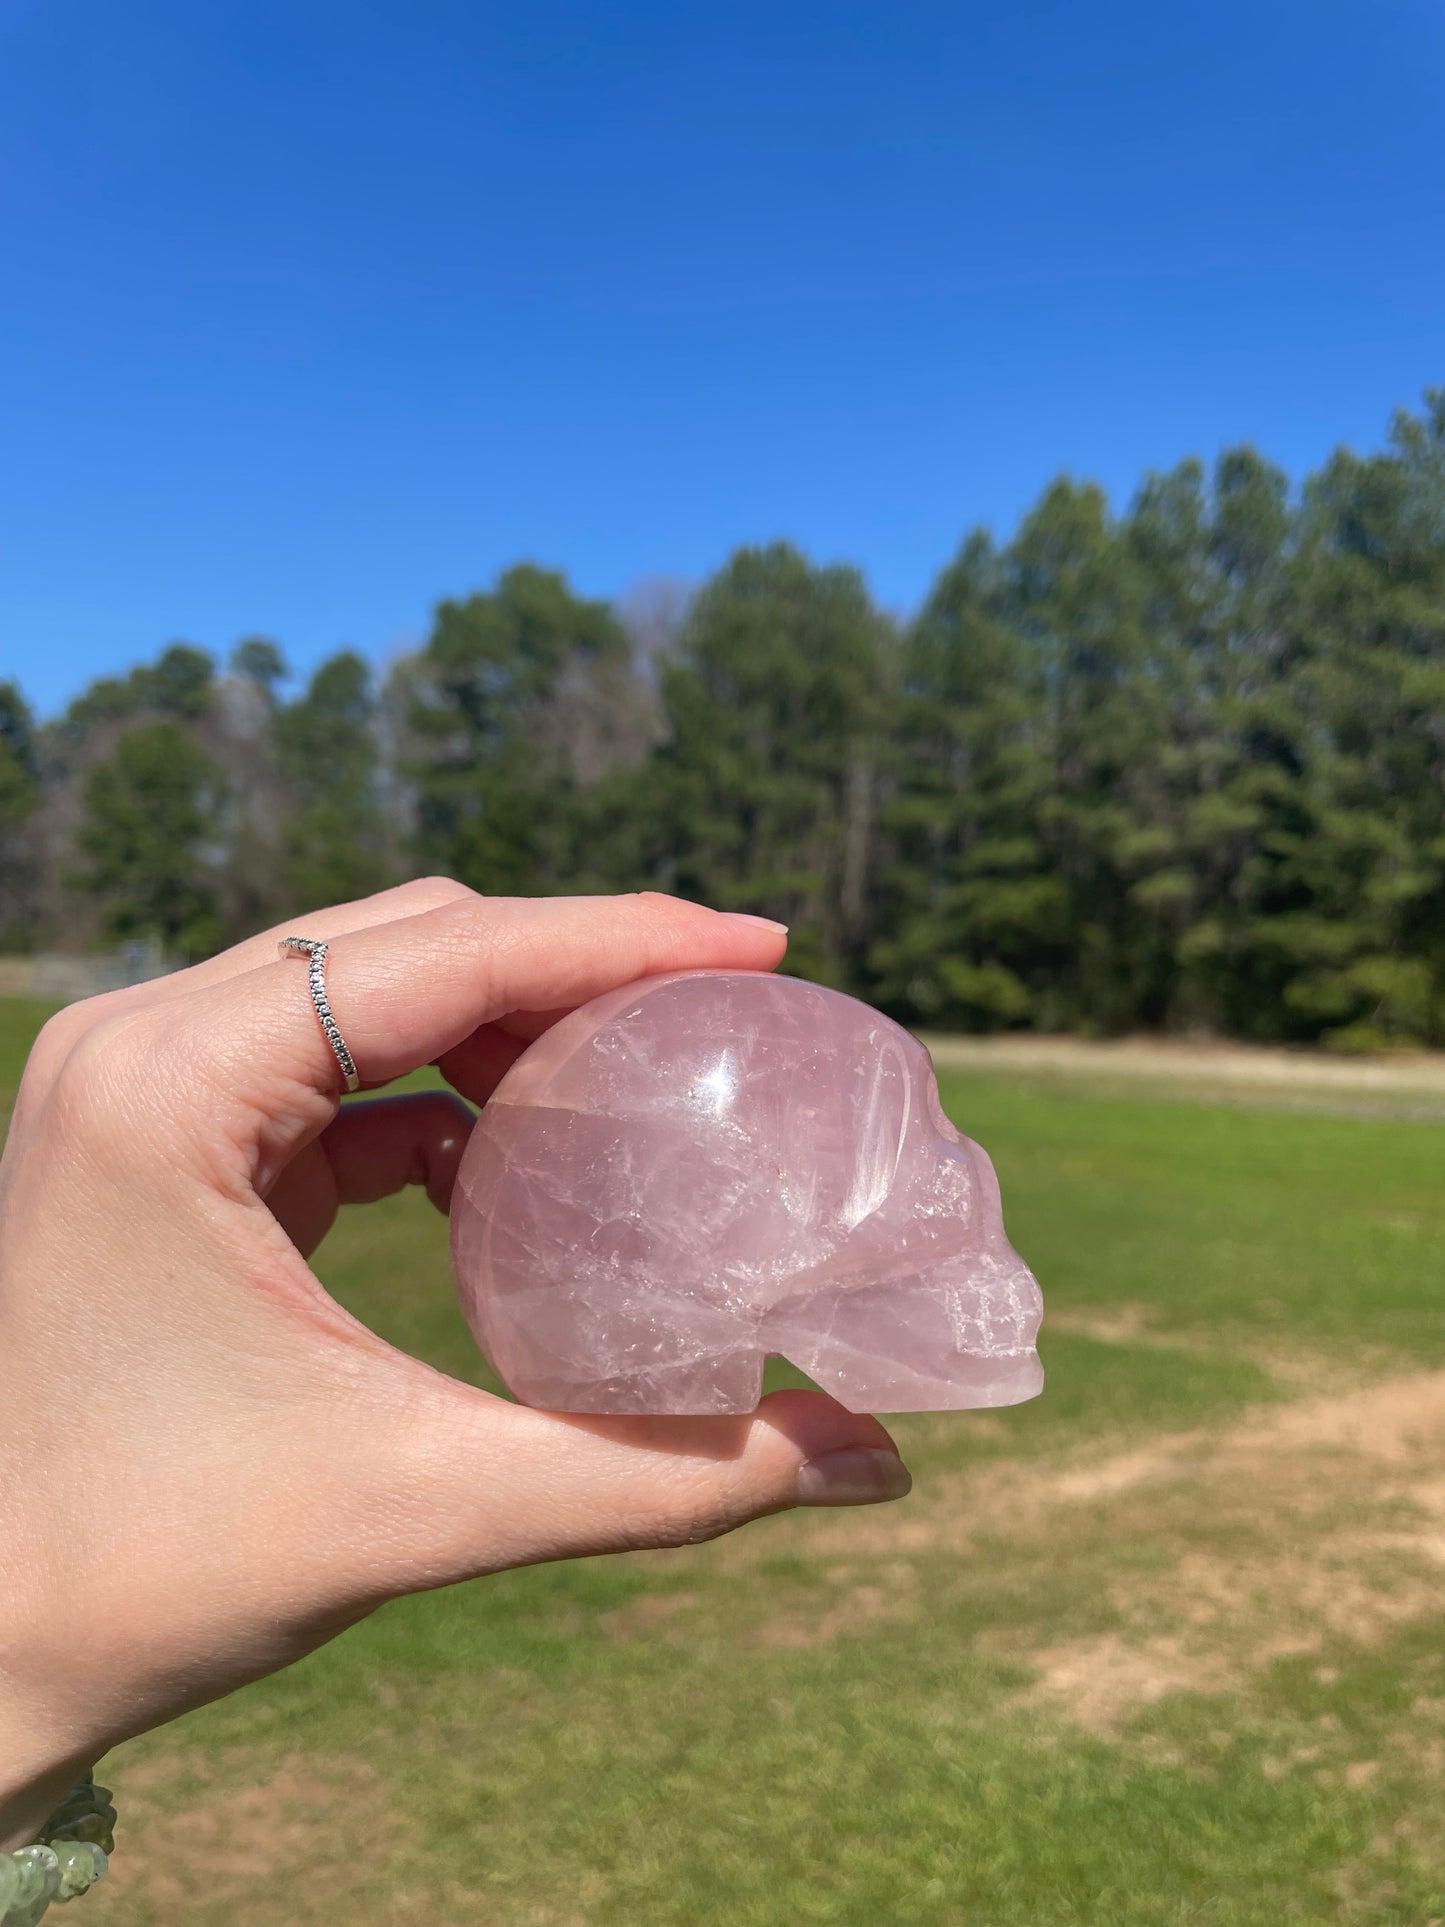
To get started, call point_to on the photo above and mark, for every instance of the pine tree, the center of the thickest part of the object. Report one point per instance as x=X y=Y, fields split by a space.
x=333 y=836
x=779 y=711
x=151 y=820
x=520 y=702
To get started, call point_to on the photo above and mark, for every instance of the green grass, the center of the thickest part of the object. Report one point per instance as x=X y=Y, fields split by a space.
x=1294 y=1228
x=1033 y=1694
x=20 y=1019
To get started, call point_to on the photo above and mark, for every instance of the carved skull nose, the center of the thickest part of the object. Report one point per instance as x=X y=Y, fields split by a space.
x=701 y=1169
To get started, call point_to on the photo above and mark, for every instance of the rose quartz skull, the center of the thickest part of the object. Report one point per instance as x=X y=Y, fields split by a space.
x=701 y=1169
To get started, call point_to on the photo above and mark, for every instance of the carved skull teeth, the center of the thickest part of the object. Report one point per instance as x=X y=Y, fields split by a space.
x=701 y=1169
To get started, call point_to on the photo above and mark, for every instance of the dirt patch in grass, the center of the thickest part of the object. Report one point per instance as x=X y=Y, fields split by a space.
x=888 y=1593
x=1403 y=1074
x=1409 y=1088
x=1391 y=1422
x=1236 y=1613
x=1102 y=1681
x=1220 y=1551
x=194 y=1848
x=643 y=1616
x=1324 y=1520
x=1124 y=1323
x=1141 y=1326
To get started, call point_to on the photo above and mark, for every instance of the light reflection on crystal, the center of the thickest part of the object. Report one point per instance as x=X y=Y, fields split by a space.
x=715 y=1089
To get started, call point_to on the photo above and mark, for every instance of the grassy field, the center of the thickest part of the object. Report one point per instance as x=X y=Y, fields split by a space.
x=1163 y=1648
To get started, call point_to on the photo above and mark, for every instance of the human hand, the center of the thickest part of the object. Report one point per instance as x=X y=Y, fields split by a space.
x=207 y=1467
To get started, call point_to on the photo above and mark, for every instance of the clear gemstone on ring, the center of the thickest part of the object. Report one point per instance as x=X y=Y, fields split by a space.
x=315 y=953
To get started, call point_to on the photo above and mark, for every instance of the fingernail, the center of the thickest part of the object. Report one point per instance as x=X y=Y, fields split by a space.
x=853 y=1476
x=757 y=923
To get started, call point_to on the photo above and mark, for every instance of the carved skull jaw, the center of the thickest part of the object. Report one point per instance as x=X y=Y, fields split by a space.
x=733 y=1386
x=909 y=1346
x=704 y=1169
x=926 y=1371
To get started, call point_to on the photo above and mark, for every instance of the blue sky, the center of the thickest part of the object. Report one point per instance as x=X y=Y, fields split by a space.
x=314 y=313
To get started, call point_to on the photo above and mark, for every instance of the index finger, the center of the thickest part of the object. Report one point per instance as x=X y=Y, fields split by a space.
x=67 y=1028
x=410 y=992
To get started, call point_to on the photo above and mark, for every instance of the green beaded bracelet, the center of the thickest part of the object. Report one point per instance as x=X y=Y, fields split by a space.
x=72 y=1853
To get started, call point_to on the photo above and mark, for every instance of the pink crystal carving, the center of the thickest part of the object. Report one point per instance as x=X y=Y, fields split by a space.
x=701 y=1169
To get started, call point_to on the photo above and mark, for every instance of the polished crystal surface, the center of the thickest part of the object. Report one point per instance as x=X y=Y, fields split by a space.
x=701 y=1169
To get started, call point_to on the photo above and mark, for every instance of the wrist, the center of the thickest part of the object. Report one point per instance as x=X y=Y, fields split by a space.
x=44 y=1748
x=38 y=1758
x=28 y=1800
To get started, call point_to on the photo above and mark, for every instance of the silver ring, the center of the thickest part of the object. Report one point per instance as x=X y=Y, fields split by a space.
x=316 y=978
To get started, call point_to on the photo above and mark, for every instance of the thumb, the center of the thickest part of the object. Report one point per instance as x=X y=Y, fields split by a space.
x=489 y=1485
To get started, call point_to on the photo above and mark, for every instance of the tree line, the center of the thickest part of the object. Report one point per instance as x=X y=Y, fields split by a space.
x=1179 y=768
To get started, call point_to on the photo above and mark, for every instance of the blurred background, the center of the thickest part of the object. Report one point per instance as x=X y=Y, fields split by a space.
x=968 y=482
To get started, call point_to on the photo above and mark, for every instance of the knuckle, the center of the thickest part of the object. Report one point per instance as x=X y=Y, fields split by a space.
x=469 y=935
x=440 y=889
x=51 y=1047
x=61 y=1034
x=658 y=921
x=421 y=894
x=658 y=903
x=412 y=898
x=699 y=1514
x=93 y=1089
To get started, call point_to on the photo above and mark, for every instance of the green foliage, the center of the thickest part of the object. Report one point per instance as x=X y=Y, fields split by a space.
x=258 y=660
x=1176 y=768
x=780 y=712
x=1185 y=769
x=20 y=793
x=506 y=702
x=179 y=683
x=19 y=784
x=972 y=919
x=152 y=810
x=334 y=842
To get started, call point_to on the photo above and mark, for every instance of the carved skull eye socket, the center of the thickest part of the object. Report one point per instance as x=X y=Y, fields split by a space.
x=702 y=1169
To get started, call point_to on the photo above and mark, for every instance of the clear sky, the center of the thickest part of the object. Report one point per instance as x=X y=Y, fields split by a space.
x=312 y=313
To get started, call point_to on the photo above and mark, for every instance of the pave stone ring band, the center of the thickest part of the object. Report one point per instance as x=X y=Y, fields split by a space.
x=316 y=978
